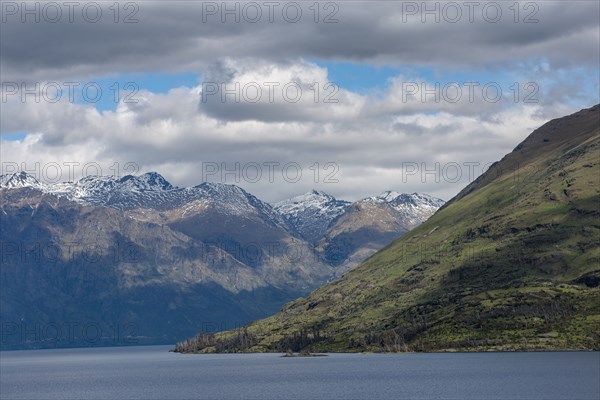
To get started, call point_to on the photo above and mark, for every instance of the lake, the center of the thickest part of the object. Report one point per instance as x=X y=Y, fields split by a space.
x=151 y=372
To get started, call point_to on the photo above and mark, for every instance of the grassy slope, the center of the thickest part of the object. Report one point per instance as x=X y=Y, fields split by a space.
x=512 y=262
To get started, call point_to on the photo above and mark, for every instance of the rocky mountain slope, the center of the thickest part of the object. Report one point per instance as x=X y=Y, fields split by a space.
x=164 y=273
x=139 y=252
x=511 y=263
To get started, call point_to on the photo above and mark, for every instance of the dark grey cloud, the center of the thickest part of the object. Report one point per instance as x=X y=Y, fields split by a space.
x=171 y=35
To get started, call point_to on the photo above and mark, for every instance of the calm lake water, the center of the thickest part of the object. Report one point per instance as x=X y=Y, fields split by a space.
x=153 y=373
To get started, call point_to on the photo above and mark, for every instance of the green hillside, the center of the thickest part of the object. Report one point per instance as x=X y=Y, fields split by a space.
x=511 y=263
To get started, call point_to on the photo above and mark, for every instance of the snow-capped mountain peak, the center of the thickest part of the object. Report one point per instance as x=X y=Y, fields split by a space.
x=387 y=196
x=19 y=180
x=234 y=199
x=396 y=198
x=319 y=202
x=149 y=181
x=311 y=213
x=314 y=198
x=414 y=208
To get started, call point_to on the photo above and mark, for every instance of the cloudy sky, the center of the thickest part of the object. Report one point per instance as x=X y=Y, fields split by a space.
x=349 y=97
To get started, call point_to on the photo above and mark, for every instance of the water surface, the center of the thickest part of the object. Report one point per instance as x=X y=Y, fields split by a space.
x=153 y=373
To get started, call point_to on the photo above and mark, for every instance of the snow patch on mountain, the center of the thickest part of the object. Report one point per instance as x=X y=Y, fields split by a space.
x=413 y=208
x=150 y=190
x=311 y=213
x=19 y=180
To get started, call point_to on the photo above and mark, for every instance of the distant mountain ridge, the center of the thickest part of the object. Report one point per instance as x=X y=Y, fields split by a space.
x=309 y=214
x=150 y=190
x=213 y=251
x=344 y=233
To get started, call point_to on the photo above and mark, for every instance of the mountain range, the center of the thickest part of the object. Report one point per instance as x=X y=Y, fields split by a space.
x=510 y=263
x=143 y=261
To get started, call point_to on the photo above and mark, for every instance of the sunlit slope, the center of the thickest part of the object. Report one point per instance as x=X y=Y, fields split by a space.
x=512 y=262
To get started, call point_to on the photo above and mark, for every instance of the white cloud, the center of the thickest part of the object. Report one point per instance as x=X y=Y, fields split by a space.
x=371 y=145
